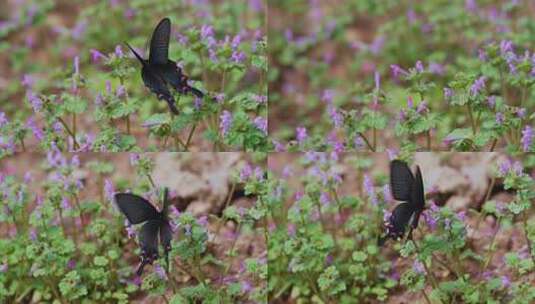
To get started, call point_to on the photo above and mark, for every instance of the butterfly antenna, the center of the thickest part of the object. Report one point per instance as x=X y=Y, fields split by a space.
x=136 y=54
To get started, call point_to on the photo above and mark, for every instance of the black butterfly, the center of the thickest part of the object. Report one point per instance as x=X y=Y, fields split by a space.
x=138 y=210
x=408 y=188
x=159 y=72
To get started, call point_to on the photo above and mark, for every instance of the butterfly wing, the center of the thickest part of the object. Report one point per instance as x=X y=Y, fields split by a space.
x=157 y=85
x=417 y=199
x=401 y=179
x=148 y=241
x=397 y=222
x=166 y=235
x=135 y=208
x=159 y=44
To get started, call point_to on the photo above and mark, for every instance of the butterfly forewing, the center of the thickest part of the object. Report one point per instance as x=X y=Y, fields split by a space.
x=159 y=44
x=401 y=179
x=417 y=198
x=135 y=208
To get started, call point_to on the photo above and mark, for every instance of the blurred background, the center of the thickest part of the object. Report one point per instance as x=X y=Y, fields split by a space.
x=328 y=58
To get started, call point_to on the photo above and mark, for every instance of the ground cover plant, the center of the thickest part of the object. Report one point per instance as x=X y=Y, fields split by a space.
x=416 y=75
x=70 y=81
x=64 y=240
x=473 y=243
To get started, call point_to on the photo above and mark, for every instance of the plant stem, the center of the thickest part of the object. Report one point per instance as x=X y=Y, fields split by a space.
x=491 y=249
x=429 y=273
x=190 y=136
x=429 y=140
x=74 y=130
x=471 y=116
x=366 y=141
x=69 y=131
x=153 y=184
x=528 y=241
x=22 y=144
x=493 y=145
x=128 y=124
x=487 y=196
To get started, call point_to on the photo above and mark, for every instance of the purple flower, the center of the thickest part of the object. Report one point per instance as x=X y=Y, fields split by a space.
x=448 y=93
x=236 y=41
x=37 y=132
x=3 y=267
x=504 y=167
x=197 y=103
x=245 y=172
x=527 y=138
x=207 y=31
x=134 y=159
x=324 y=198
x=75 y=161
x=505 y=282
x=76 y=65
x=500 y=118
x=3 y=120
x=109 y=190
x=301 y=134
x=491 y=101
x=71 y=264
x=418 y=267
x=368 y=187
x=422 y=107
x=35 y=101
x=27 y=177
x=482 y=55
x=397 y=71
x=27 y=81
x=246 y=287
x=119 y=51
x=279 y=147
x=65 y=204
x=478 y=85
x=130 y=231
x=336 y=117
x=419 y=67
x=261 y=123
x=220 y=98
x=226 y=122
x=327 y=96
x=259 y=173
x=160 y=272
x=260 y=99
x=436 y=68
x=392 y=154
x=410 y=102
x=521 y=113
x=471 y=6
x=238 y=56
x=291 y=229
x=506 y=46
x=120 y=91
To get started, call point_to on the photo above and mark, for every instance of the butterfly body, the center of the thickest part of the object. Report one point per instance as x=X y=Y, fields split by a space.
x=409 y=188
x=159 y=73
x=156 y=225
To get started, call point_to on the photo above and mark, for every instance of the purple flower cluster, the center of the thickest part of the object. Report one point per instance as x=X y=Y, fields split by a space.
x=226 y=122
x=527 y=138
x=478 y=86
x=370 y=190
